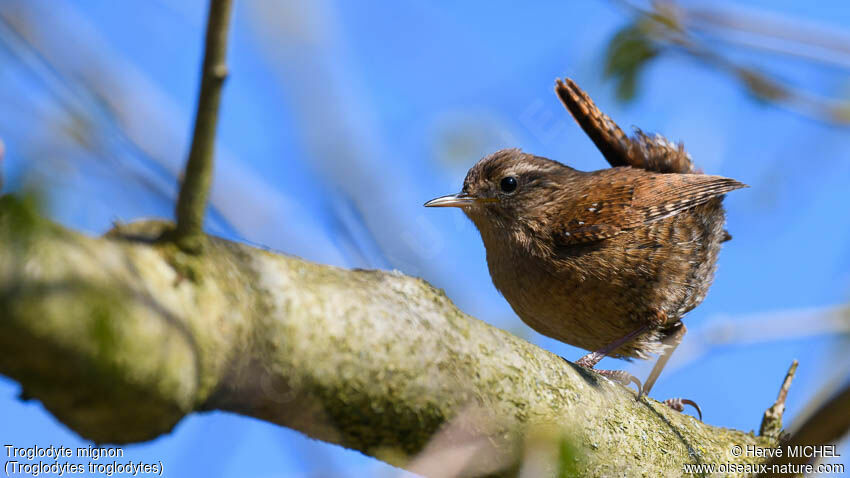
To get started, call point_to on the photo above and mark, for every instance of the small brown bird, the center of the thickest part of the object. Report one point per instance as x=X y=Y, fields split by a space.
x=609 y=260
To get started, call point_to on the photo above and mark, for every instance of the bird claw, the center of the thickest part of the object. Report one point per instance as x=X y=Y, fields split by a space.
x=622 y=377
x=678 y=404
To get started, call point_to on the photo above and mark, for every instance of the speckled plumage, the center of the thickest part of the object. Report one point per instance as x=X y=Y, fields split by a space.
x=589 y=257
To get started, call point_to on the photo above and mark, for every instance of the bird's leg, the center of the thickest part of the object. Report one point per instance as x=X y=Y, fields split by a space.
x=672 y=341
x=590 y=360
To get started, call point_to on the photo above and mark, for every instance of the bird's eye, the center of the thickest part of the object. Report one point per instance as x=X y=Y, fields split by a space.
x=508 y=184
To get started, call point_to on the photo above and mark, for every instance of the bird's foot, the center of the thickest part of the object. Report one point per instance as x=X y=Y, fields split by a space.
x=621 y=376
x=678 y=404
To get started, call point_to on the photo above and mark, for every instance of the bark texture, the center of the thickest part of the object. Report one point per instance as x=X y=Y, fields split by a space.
x=122 y=336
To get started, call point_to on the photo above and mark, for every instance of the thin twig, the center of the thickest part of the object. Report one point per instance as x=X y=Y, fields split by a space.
x=771 y=423
x=195 y=187
x=826 y=426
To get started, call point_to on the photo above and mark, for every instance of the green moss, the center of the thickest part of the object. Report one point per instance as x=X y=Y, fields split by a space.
x=20 y=219
x=105 y=312
x=81 y=371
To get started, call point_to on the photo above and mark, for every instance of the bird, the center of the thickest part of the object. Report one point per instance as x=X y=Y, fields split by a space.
x=611 y=260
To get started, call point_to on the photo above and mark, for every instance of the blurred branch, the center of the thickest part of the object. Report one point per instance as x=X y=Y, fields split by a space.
x=195 y=189
x=667 y=27
x=79 y=103
x=375 y=361
x=768 y=327
x=773 y=33
x=137 y=127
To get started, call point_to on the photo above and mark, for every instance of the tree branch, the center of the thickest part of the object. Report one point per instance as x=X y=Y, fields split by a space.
x=120 y=337
x=194 y=190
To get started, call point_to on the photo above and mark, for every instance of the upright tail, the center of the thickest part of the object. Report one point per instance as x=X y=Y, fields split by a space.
x=650 y=152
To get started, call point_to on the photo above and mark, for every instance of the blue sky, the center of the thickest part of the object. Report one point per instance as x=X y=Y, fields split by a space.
x=341 y=118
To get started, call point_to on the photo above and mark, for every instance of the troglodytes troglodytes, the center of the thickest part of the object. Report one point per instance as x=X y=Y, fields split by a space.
x=609 y=260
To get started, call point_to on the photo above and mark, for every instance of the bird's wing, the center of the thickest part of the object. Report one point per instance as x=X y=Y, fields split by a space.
x=615 y=202
x=649 y=152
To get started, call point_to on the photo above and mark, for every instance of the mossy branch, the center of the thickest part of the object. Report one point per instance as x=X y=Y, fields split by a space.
x=120 y=337
x=195 y=187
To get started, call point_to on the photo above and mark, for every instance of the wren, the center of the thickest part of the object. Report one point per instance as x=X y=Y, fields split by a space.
x=610 y=260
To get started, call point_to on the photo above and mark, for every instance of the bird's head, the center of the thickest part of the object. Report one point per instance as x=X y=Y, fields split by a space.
x=506 y=187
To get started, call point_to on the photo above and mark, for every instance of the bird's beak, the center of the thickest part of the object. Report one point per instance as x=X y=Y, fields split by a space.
x=452 y=200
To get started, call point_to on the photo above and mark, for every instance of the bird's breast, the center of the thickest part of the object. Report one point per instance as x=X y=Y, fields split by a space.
x=593 y=294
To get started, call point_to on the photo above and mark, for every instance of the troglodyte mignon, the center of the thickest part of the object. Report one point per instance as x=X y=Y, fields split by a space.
x=609 y=260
